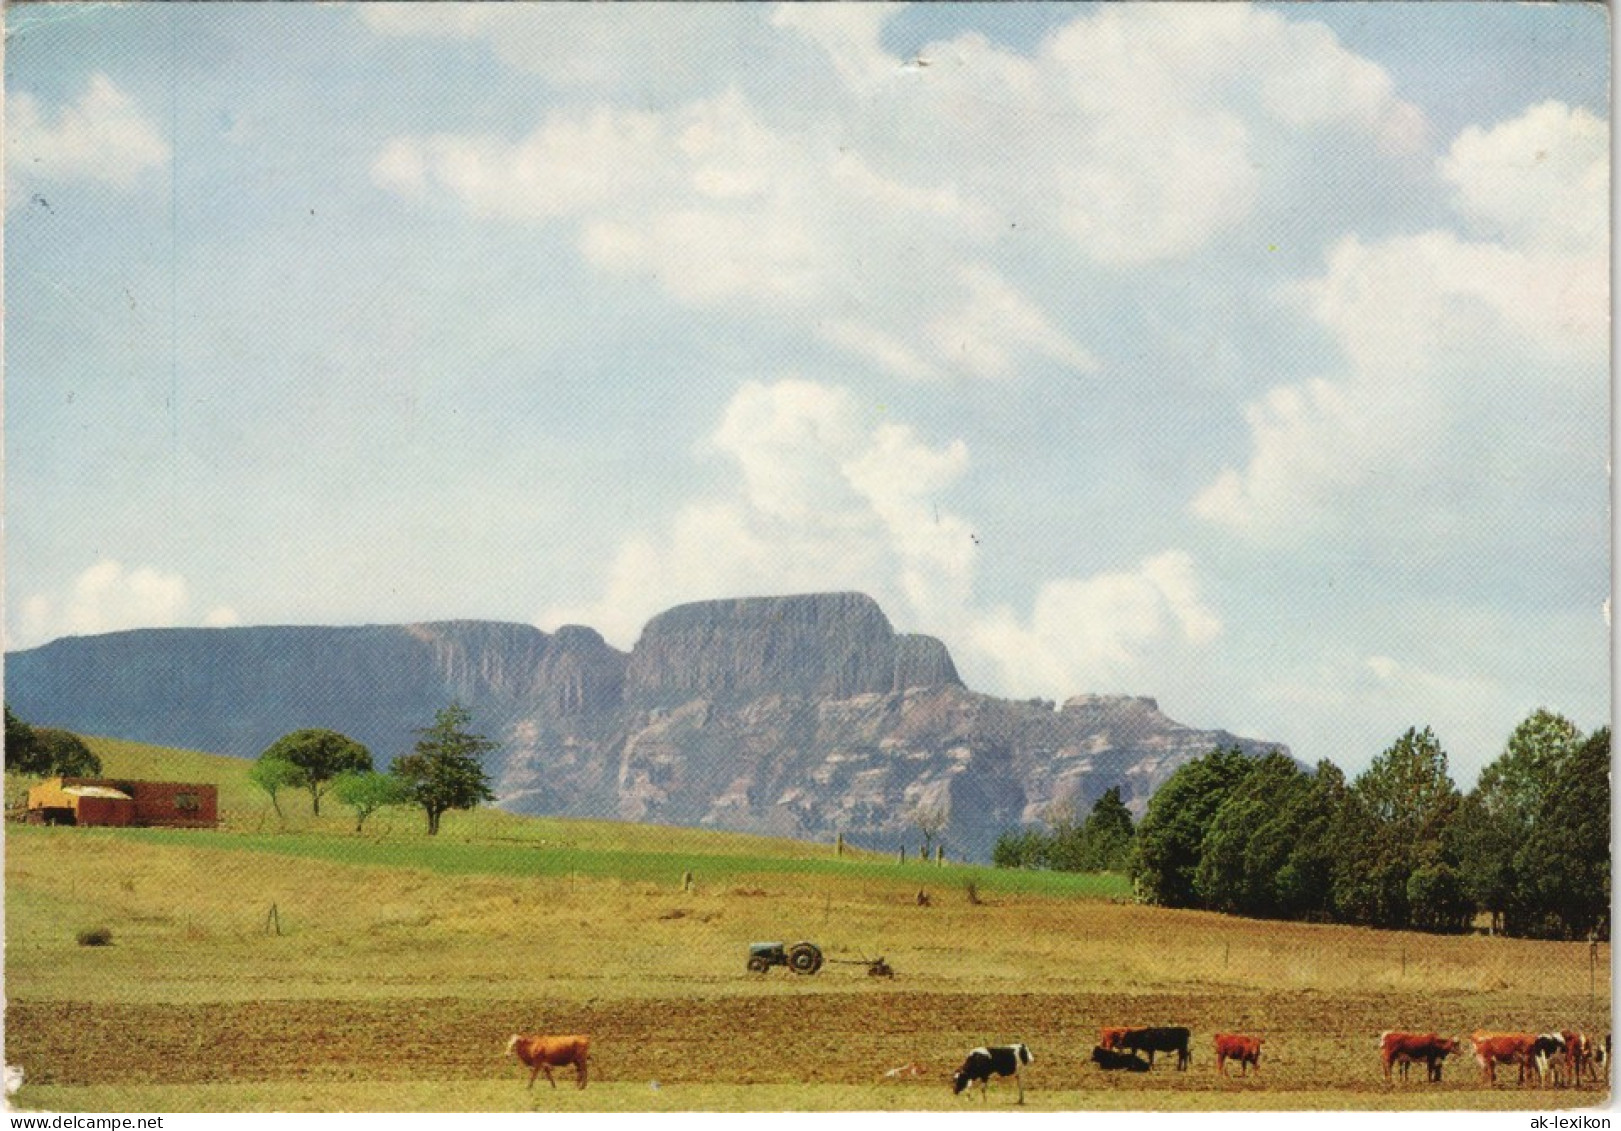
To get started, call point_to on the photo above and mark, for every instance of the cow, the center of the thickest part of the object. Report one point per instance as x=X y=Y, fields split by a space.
x=1579 y=1056
x=542 y=1054
x=1409 y=1048
x=989 y=1060
x=1152 y=1040
x=1547 y=1056
x=1245 y=1050
x=1492 y=1049
x=1109 y=1036
x=1111 y=1061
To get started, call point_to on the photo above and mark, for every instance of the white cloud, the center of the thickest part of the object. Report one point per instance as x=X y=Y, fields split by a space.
x=829 y=497
x=103 y=136
x=108 y=597
x=1105 y=633
x=1445 y=341
x=1541 y=180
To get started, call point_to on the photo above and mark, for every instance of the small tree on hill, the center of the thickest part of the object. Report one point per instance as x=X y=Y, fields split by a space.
x=319 y=756
x=274 y=775
x=445 y=770
x=66 y=754
x=365 y=793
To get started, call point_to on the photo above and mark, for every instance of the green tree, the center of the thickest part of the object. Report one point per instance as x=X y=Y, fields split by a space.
x=66 y=754
x=1568 y=896
x=444 y=771
x=366 y=792
x=24 y=755
x=1171 y=835
x=274 y=775
x=1395 y=821
x=1304 y=886
x=1108 y=834
x=1020 y=848
x=1501 y=834
x=1246 y=844
x=319 y=756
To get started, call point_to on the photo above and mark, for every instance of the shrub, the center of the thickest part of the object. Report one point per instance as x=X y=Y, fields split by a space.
x=96 y=936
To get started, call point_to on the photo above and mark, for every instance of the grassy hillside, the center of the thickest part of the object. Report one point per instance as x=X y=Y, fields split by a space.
x=396 y=964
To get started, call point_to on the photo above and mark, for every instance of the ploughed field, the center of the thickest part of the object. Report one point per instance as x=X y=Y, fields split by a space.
x=395 y=968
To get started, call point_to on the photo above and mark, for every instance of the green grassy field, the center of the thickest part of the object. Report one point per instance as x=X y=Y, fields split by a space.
x=396 y=964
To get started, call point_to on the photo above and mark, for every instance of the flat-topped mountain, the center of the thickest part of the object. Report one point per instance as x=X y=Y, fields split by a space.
x=799 y=716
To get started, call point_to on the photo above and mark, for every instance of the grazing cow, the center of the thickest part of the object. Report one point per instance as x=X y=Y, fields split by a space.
x=1245 y=1050
x=1579 y=1056
x=1492 y=1049
x=1110 y=1036
x=1409 y=1048
x=983 y=1062
x=1111 y=1061
x=1547 y=1055
x=1167 y=1039
x=542 y=1054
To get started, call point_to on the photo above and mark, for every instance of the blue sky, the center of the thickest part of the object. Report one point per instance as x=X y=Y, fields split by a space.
x=1253 y=358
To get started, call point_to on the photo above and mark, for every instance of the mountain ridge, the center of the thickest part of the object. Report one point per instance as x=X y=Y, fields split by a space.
x=804 y=715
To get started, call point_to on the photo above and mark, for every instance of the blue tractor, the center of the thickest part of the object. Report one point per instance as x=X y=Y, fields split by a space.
x=801 y=957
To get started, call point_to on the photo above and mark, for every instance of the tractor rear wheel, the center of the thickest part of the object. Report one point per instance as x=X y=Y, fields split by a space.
x=758 y=965
x=804 y=958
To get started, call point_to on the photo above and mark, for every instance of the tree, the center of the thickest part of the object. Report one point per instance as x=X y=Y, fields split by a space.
x=24 y=755
x=66 y=754
x=273 y=775
x=1569 y=895
x=444 y=771
x=1396 y=821
x=931 y=821
x=1108 y=834
x=319 y=756
x=367 y=792
x=1171 y=835
x=1244 y=844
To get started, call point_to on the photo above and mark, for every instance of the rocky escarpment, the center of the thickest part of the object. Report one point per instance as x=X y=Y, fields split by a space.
x=800 y=716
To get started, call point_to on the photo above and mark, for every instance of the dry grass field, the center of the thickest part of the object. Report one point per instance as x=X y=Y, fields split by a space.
x=402 y=964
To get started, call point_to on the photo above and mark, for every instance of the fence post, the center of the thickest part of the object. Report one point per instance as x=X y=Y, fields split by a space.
x=838 y=845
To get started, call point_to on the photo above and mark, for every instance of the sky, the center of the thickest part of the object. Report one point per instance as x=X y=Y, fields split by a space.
x=1254 y=358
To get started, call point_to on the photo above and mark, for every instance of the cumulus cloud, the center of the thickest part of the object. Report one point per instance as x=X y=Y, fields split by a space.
x=102 y=136
x=1541 y=180
x=1148 y=146
x=1444 y=340
x=829 y=497
x=108 y=597
x=1103 y=633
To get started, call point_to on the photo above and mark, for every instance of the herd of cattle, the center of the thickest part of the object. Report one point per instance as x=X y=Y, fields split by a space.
x=1557 y=1058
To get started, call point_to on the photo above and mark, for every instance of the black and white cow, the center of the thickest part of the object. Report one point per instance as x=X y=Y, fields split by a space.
x=1111 y=1061
x=1547 y=1056
x=984 y=1062
x=1172 y=1038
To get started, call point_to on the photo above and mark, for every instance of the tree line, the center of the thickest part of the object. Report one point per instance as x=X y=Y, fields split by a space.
x=444 y=770
x=1399 y=846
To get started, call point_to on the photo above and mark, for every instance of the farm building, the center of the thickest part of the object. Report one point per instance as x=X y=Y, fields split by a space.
x=101 y=801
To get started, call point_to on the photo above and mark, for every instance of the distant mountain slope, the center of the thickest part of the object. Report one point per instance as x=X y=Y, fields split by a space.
x=794 y=716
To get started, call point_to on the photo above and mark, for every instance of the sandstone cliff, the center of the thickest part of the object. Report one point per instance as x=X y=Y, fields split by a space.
x=800 y=716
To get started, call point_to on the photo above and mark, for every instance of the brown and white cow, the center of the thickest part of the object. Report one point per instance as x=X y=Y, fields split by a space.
x=1402 y=1049
x=1245 y=1050
x=1492 y=1049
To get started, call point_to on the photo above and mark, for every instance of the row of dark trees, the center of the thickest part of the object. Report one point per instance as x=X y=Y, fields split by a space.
x=444 y=771
x=1400 y=846
x=1101 y=843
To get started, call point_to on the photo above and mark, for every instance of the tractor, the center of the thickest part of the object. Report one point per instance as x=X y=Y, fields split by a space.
x=801 y=957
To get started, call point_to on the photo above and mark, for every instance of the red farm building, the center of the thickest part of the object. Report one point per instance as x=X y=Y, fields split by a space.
x=104 y=801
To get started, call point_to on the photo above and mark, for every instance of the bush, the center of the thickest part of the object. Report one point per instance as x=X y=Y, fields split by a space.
x=96 y=936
